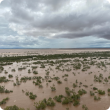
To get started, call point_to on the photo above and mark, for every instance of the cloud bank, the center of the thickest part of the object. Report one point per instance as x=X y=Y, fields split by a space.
x=56 y=19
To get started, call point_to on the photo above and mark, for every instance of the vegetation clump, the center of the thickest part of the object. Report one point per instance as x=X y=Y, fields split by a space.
x=108 y=90
x=10 y=76
x=74 y=85
x=94 y=88
x=13 y=70
x=66 y=100
x=42 y=104
x=3 y=90
x=30 y=94
x=101 y=92
x=4 y=101
x=84 y=107
x=81 y=92
x=14 y=108
x=91 y=93
x=59 y=82
x=1 y=69
x=53 y=88
x=58 y=98
x=96 y=98
x=3 y=79
x=35 y=72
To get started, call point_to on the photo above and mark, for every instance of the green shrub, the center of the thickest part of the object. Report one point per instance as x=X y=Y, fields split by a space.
x=3 y=79
x=13 y=108
x=32 y=96
x=58 y=98
x=59 y=82
x=50 y=102
x=35 y=72
x=66 y=100
x=101 y=92
x=108 y=90
x=76 y=102
x=10 y=76
x=81 y=92
x=94 y=88
x=42 y=104
x=53 y=88
x=4 y=101
x=91 y=93
x=74 y=85
x=96 y=98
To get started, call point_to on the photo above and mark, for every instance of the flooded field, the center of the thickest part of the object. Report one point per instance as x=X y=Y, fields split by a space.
x=26 y=52
x=56 y=80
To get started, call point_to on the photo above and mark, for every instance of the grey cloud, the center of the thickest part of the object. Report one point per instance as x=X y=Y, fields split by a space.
x=59 y=18
x=18 y=41
x=5 y=3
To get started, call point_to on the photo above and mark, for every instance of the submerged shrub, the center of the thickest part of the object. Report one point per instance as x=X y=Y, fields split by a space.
x=76 y=102
x=53 y=88
x=59 y=82
x=96 y=98
x=101 y=92
x=10 y=76
x=13 y=108
x=81 y=92
x=3 y=79
x=74 y=85
x=58 y=98
x=94 y=88
x=42 y=104
x=4 y=101
x=35 y=72
x=108 y=90
x=66 y=100
x=91 y=93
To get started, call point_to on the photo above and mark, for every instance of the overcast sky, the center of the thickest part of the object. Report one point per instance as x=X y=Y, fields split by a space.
x=54 y=23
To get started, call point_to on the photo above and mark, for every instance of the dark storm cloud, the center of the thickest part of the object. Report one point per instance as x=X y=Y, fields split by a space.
x=59 y=18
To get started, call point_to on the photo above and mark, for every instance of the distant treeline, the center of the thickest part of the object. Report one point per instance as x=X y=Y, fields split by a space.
x=56 y=56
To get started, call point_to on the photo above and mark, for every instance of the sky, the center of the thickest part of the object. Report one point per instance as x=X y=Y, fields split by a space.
x=54 y=23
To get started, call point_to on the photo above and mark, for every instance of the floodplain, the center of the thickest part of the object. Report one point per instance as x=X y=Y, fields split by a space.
x=55 y=80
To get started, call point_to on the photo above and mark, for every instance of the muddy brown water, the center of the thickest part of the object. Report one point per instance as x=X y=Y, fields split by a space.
x=21 y=100
x=25 y=52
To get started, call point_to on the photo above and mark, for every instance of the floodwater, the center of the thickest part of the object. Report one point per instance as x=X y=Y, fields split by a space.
x=25 y=52
x=21 y=100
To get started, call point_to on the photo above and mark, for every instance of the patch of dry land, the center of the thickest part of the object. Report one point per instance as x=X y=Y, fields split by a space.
x=55 y=80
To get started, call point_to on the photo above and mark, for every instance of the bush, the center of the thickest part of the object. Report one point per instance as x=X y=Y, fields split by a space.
x=81 y=92
x=94 y=88
x=66 y=100
x=13 y=108
x=53 y=88
x=35 y=72
x=108 y=90
x=3 y=79
x=96 y=98
x=91 y=93
x=58 y=98
x=10 y=76
x=59 y=82
x=4 y=101
x=101 y=92
x=32 y=96
x=50 y=102
x=84 y=107
x=74 y=85
x=76 y=102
